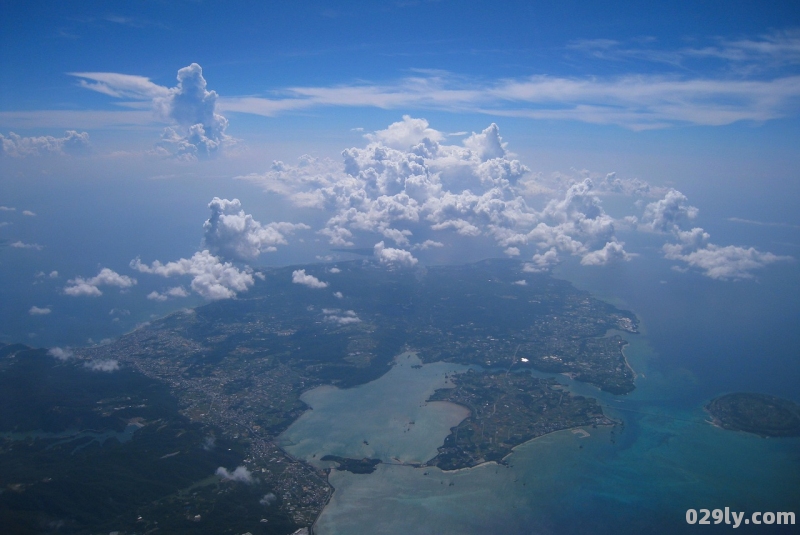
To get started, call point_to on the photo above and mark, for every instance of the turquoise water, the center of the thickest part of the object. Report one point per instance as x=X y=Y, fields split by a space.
x=387 y=419
x=634 y=478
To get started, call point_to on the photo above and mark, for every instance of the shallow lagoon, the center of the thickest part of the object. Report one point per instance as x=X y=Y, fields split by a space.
x=387 y=419
x=634 y=478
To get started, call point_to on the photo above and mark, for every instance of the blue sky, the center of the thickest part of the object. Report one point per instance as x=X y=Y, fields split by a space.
x=155 y=153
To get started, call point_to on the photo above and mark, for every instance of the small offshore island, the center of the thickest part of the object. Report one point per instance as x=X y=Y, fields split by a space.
x=761 y=414
x=356 y=466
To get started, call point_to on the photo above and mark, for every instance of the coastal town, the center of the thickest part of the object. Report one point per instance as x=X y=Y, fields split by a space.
x=240 y=367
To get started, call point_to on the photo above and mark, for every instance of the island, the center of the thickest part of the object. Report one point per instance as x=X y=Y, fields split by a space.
x=760 y=414
x=356 y=466
x=229 y=375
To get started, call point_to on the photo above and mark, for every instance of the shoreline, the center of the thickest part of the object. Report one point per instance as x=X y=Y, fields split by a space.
x=506 y=456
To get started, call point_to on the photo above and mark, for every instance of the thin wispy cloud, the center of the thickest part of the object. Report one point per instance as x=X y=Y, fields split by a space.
x=633 y=101
x=738 y=89
x=761 y=223
x=743 y=56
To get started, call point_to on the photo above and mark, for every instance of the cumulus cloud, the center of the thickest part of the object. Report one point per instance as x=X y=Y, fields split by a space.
x=28 y=213
x=108 y=366
x=60 y=354
x=232 y=233
x=90 y=287
x=694 y=247
x=405 y=134
x=669 y=213
x=612 y=252
x=299 y=276
x=408 y=182
x=723 y=263
x=72 y=143
x=198 y=131
x=240 y=474
x=36 y=311
x=177 y=291
x=212 y=278
x=387 y=255
x=340 y=317
x=408 y=189
x=541 y=262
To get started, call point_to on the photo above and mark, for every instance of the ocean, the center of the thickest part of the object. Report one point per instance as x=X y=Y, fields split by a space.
x=700 y=338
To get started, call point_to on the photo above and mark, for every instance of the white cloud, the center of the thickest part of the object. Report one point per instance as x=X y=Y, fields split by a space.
x=299 y=276
x=74 y=143
x=334 y=270
x=36 y=311
x=477 y=190
x=694 y=247
x=121 y=85
x=177 y=291
x=635 y=101
x=21 y=245
x=268 y=499
x=28 y=213
x=521 y=282
x=240 y=474
x=232 y=233
x=60 y=354
x=340 y=317
x=155 y=296
x=405 y=134
x=108 y=366
x=7 y=209
x=724 y=263
x=387 y=255
x=542 y=262
x=212 y=278
x=487 y=145
x=669 y=213
x=472 y=189
x=90 y=287
x=338 y=295
x=198 y=131
x=611 y=253
x=427 y=244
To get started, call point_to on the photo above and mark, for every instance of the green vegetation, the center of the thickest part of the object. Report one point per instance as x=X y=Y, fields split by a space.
x=356 y=466
x=235 y=370
x=66 y=467
x=508 y=409
x=761 y=414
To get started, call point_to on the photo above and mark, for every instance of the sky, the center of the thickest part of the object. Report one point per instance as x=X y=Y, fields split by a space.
x=154 y=155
